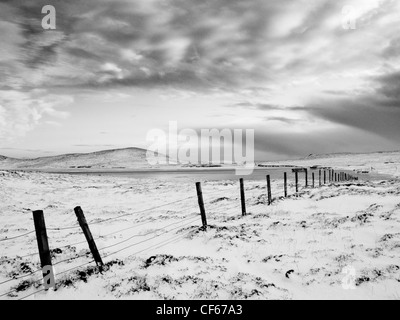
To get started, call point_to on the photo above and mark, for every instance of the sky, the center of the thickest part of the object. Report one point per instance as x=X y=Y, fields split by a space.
x=294 y=71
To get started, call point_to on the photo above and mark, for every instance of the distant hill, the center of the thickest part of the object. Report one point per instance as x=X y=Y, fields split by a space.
x=385 y=162
x=349 y=154
x=128 y=158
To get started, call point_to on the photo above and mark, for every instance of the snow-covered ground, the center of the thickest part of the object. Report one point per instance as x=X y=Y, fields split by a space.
x=340 y=241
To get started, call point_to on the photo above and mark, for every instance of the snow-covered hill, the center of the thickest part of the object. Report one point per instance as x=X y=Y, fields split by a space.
x=129 y=158
x=374 y=162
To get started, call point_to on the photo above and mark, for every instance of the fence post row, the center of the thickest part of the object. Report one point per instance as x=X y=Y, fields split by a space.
x=42 y=239
x=44 y=249
x=88 y=235
x=201 y=206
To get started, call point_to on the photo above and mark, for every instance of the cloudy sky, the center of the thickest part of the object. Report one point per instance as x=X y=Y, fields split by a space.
x=115 y=69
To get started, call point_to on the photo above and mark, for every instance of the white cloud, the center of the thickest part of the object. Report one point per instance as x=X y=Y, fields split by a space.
x=21 y=112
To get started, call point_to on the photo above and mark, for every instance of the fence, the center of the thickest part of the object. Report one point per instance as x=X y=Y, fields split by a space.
x=325 y=175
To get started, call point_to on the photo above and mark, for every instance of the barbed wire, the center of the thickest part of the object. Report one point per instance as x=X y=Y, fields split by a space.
x=121 y=216
x=156 y=246
x=31 y=294
x=162 y=244
x=156 y=236
x=255 y=208
x=15 y=237
x=21 y=277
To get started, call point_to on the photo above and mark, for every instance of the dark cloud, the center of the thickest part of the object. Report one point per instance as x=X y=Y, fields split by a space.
x=389 y=88
x=266 y=106
x=322 y=141
x=266 y=48
x=282 y=119
x=203 y=44
x=94 y=145
x=393 y=49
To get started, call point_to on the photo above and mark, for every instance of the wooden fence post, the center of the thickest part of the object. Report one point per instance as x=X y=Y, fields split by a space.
x=335 y=177
x=306 y=177
x=242 y=197
x=285 y=184
x=44 y=250
x=201 y=205
x=324 y=176
x=313 y=180
x=319 y=177
x=296 y=181
x=269 y=190
x=88 y=235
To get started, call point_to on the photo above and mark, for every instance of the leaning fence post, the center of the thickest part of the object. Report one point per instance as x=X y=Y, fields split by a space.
x=242 y=197
x=296 y=181
x=269 y=190
x=88 y=235
x=44 y=250
x=201 y=205
x=285 y=183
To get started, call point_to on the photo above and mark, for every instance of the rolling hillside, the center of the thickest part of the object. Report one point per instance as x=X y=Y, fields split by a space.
x=129 y=158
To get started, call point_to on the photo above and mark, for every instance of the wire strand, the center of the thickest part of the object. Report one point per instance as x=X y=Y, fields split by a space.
x=15 y=237
x=142 y=235
x=137 y=243
x=20 y=277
